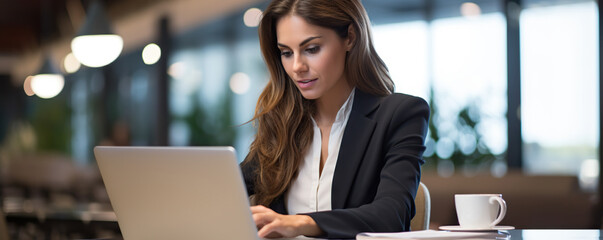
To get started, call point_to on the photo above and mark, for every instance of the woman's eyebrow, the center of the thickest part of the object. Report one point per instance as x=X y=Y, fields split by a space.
x=302 y=43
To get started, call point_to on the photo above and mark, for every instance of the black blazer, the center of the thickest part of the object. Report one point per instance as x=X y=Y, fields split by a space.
x=378 y=169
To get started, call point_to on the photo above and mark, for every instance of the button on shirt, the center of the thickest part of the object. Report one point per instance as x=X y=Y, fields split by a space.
x=311 y=190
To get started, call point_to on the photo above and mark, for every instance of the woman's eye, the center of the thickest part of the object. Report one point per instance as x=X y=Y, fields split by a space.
x=313 y=50
x=286 y=53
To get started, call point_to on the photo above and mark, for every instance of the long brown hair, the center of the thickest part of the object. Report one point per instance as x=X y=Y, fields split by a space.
x=282 y=115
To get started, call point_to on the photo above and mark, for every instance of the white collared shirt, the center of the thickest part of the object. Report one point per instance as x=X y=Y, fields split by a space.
x=311 y=190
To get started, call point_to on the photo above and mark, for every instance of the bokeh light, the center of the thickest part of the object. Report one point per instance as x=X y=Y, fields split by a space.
x=27 y=86
x=470 y=9
x=71 y=64
x=151 y=54
x=239 y=83
x=252 y=17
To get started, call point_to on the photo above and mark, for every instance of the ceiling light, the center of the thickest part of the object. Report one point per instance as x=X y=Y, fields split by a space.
x=95 y=44
x=48 y=82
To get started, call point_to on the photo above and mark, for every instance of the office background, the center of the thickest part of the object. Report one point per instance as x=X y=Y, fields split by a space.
x=514 y=88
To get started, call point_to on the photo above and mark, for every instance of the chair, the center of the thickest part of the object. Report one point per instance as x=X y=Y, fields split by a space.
x=423 y=209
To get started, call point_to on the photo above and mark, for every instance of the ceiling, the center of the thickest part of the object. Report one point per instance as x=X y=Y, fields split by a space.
x=32 y=28
x=21 y=24
x=29 y=24
x=29 y=28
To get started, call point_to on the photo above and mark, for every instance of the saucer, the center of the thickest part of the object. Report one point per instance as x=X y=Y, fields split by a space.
x=459 y=228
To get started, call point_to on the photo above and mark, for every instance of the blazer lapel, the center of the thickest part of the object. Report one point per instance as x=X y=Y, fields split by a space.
x=356 y=136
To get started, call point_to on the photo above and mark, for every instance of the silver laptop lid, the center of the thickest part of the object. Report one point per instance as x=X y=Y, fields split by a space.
x=176 y=192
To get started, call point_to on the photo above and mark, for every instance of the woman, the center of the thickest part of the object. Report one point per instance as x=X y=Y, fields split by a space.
x=336 y=152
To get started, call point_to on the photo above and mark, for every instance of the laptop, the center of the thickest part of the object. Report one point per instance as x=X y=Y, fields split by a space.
x=176 y=192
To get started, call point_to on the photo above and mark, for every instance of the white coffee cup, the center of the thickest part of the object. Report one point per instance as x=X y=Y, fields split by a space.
x=479 y=211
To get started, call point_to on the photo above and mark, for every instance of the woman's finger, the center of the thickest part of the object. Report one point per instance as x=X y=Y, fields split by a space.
x=259 y=208
x=281 y=226
x=270 y=230
x=263 y=218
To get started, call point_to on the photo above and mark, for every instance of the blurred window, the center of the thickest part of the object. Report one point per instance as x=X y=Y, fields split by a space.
x=559 y=88
x=215 y=83
x=457 y=61
x=404 y=48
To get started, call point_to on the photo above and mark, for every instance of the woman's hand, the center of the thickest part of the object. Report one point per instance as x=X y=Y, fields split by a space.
x=273 y=225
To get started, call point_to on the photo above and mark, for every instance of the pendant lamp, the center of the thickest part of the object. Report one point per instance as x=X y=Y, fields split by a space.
x=49 y=81
x=95 y=44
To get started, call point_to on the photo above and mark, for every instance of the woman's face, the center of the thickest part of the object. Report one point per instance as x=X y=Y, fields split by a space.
x=313 y=57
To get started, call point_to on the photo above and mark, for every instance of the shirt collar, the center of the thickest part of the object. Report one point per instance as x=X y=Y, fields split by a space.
x=346 y=108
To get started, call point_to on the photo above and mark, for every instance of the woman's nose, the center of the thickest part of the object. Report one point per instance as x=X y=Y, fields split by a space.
x=299 y=64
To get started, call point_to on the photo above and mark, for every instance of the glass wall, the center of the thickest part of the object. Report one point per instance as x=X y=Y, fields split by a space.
x=457 y=62
x=215 y=83
x=559 y=88
x=453 y=53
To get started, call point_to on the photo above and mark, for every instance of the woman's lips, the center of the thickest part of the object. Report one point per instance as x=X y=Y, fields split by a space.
x=306 y=83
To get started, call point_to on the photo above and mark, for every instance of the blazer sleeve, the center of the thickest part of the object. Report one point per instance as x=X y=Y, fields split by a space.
x=248 y=167
x=393 y=205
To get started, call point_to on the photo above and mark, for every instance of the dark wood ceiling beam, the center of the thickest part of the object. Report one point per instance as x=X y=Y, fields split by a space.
x=18 y=38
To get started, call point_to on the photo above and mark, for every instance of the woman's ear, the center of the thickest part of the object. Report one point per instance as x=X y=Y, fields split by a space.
x=351 y=39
